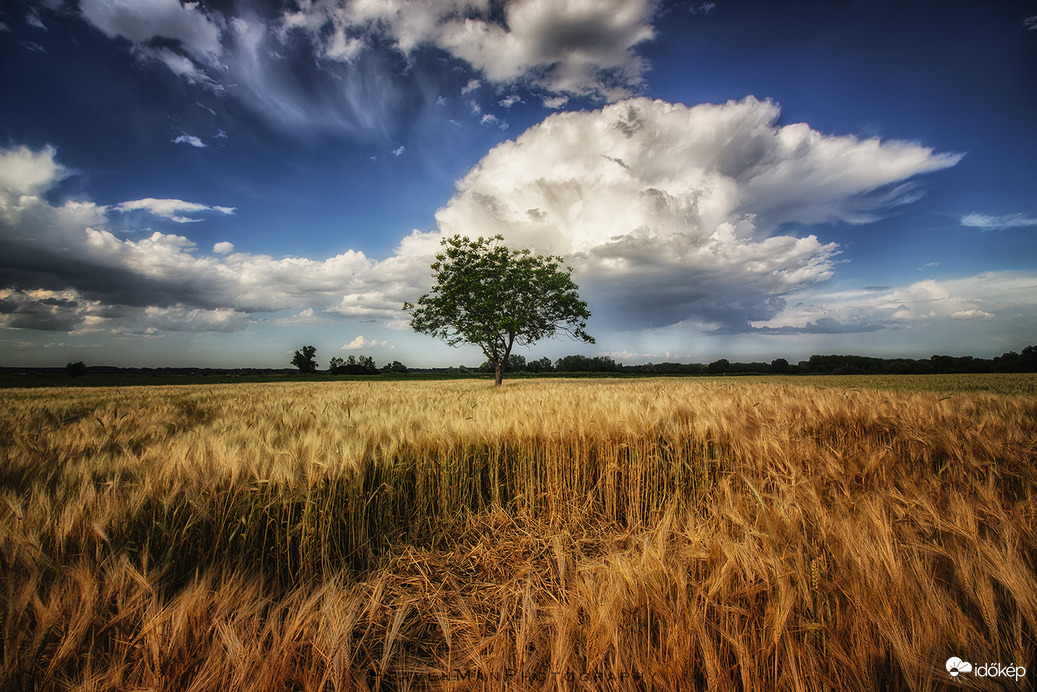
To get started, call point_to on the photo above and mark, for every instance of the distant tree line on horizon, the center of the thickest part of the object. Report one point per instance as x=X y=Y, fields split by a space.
x=1026 y=361
x=305 y=360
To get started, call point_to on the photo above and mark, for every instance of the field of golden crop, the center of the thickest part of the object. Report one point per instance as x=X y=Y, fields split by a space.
x=567 y=534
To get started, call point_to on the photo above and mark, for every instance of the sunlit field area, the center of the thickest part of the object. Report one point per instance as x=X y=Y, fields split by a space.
x=671 y=534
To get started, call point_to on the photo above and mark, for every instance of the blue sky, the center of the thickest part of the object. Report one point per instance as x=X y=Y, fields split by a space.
x=218 y=184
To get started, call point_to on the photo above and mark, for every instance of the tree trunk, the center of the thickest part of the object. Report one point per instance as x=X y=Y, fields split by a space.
x=503 y=362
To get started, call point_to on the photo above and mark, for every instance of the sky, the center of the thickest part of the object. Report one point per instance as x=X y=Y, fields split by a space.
x=217 y=184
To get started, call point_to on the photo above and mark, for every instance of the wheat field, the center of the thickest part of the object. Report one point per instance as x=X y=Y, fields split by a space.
x=661 y=534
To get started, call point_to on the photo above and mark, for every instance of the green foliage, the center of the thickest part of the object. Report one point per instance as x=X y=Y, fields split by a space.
x=76 y=369
x=496 y=298
x=304 y=359
x=542 y=365
x=364 y=365
x=578 y=363
x=516 y=363
x=395 y=367
x=719 y=367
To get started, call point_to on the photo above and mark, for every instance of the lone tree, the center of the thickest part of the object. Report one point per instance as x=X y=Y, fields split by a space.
x=304 y=359
x=488 y=295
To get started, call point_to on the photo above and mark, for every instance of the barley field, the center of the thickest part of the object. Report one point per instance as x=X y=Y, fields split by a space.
x=663 y=534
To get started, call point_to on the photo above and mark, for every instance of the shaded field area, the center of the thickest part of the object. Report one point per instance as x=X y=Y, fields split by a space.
x=676 y=534
x=951 y=383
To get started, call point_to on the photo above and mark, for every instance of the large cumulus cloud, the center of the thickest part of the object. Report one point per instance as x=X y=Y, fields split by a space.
x=671 y=213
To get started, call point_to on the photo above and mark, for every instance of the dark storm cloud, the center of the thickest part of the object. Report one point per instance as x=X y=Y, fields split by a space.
x=21 y=313
x=56 y=269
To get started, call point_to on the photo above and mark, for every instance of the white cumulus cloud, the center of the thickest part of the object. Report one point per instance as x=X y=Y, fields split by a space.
x=29 y=172
x=184 y=318
x=991 y=296
x=189 y=139
x=671 y=213
x=360 y=342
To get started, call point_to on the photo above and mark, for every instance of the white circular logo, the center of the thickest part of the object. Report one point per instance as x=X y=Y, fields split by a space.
x=955 y=666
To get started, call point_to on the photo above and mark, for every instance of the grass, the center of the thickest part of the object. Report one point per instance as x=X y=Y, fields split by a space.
x=949 y=384
x=683 y=534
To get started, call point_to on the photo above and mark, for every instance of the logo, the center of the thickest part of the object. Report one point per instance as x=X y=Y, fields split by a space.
x=956 y=666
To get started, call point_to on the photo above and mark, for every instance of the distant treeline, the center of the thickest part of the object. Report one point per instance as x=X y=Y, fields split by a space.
x=816 y=365
x=1025 y=361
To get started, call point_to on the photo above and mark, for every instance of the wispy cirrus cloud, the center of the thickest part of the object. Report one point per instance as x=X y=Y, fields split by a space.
x=365 y=52
x=185 y=37
x=989 y=222
x=197 y=31
x=172 y=209
x=32 y=18
x=569 y=47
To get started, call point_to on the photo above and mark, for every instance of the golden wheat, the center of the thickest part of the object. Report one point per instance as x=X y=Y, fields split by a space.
x=570 y=534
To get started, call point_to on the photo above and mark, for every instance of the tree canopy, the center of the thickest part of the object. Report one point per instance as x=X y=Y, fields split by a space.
x=364 y=365
x=304 y=359
x=496 y=298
